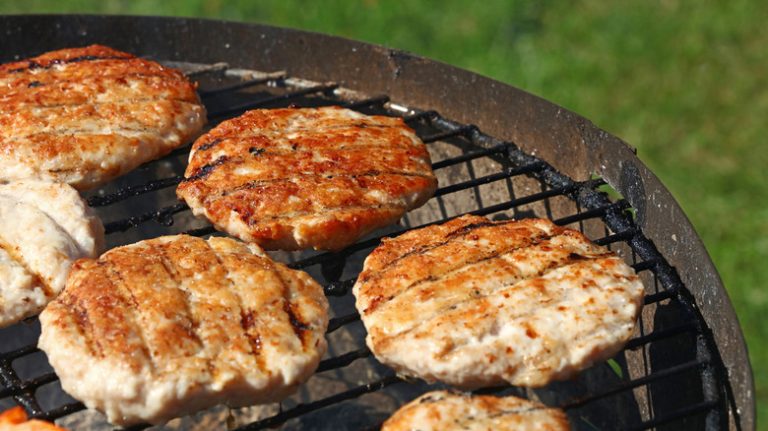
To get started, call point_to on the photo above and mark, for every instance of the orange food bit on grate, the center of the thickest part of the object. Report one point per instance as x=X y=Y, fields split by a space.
x=15 y=419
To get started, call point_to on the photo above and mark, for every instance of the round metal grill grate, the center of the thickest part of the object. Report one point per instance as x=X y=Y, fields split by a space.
x=665 y=378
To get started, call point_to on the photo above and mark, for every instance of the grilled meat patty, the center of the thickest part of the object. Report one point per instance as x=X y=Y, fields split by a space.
x=44 y=228
x=168 y=326
x=474 y=303
x=86 y=115
x=448 y=411
x=313 y=177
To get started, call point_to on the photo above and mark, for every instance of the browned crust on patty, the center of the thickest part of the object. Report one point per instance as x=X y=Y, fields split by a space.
x=297 y=178
x=86 y=115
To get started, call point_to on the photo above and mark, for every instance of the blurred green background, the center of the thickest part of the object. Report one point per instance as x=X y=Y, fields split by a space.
x=686 y=82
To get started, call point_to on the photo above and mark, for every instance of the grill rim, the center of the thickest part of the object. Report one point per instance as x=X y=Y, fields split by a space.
x=536 y=125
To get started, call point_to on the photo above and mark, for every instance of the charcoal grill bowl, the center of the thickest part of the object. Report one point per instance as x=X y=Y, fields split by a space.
x=570 y=143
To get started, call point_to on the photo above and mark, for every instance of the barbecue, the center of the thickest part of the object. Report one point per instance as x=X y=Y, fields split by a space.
x=496 y=151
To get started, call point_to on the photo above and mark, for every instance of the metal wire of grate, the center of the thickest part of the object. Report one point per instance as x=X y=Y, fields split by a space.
x=478 y=174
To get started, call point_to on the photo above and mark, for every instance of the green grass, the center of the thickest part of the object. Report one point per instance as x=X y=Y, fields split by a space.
x=686 y=82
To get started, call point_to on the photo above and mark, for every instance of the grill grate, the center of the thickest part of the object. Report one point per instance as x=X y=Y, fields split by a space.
x=664 y=378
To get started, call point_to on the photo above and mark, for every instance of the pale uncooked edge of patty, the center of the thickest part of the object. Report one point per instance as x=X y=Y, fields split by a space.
x=60 y=208
x=89 y=235
x=20 y=295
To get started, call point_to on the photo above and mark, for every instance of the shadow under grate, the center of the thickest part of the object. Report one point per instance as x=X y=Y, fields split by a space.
x=664 y=378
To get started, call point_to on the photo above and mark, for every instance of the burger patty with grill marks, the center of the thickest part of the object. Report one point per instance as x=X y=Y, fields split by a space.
x=172 y=325
x=86 y=115
x=475 y=303
x=447 y=411
x=313 y=177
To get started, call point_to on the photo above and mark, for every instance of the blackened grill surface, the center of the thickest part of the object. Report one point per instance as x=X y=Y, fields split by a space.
x=667 y=377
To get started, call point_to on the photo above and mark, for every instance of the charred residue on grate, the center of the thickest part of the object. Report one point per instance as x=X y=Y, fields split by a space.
x=477 y=174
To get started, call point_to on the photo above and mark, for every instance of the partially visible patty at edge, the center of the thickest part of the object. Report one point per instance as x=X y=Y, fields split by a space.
x=448 y=411
x=83 y=116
